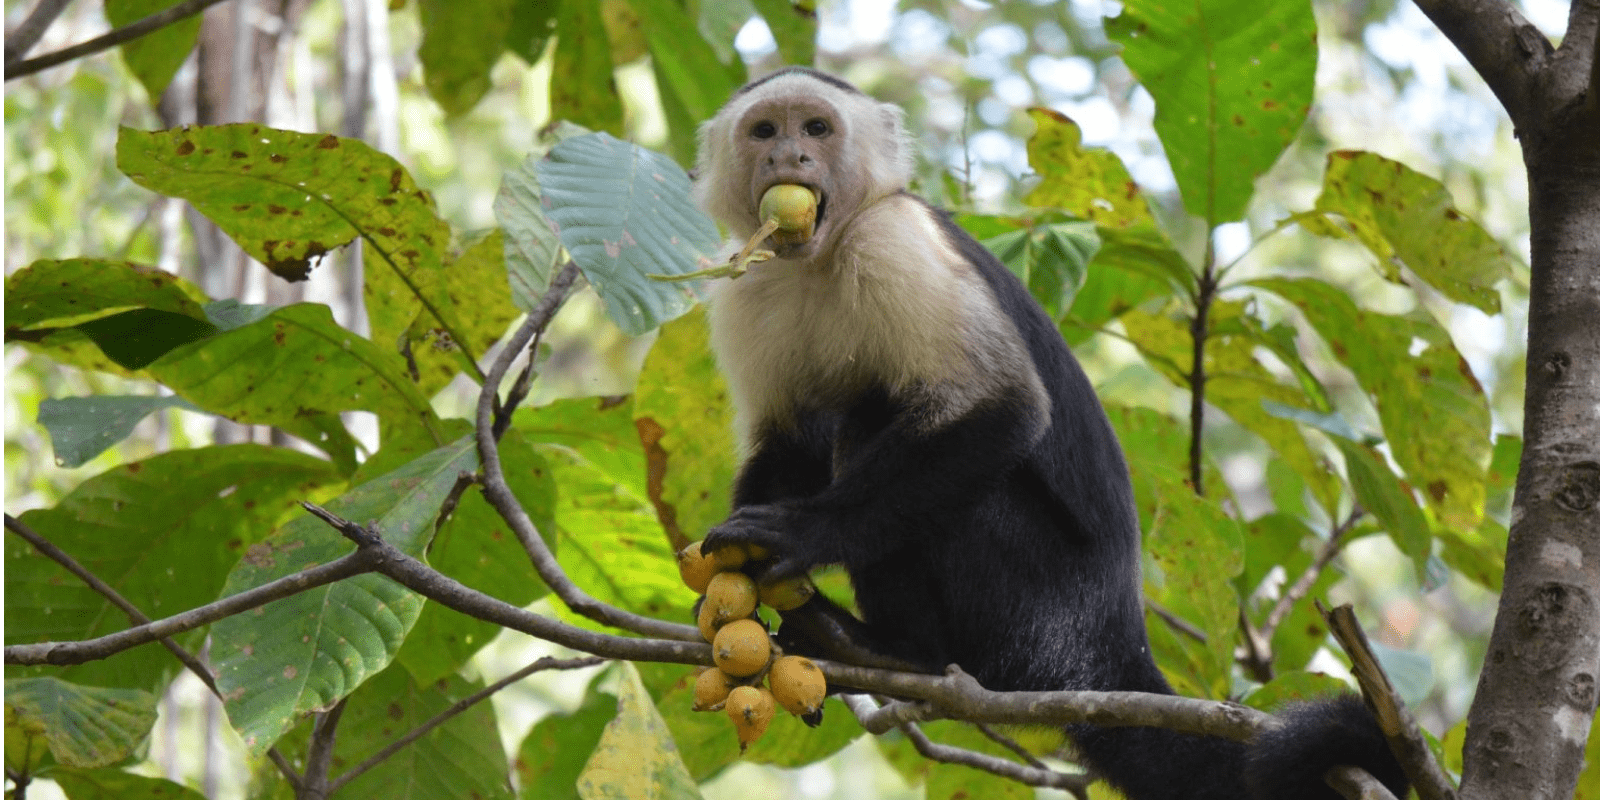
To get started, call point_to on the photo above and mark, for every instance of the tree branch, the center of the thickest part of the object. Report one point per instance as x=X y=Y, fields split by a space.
x=126 y=33
x=862 y=706
x=457 y=708
x=490 y=422
x=1502 y=46
x=78 y=652
x=1298 y=590
x=27 y=34
x=1399 y=727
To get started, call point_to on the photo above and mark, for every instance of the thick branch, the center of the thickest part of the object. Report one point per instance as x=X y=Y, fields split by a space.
x=1500 y=44
x=126 y=33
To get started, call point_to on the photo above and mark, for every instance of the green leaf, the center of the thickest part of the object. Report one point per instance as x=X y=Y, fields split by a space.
x=289 y=366
x=472 y=294
x=1391 y=502
x=134 y=339
x=1232 y=81
x=598 y=431
x=1296 y=686
x=115 y=784
x=624 y=212
x=612 y=544
x=162 y=532
x=530 y=29
x=793 y=27
x=1236 y=381
x=553 y=753
x=1090 y=184
x=685 y=65
x=64 y=293
x=461 y=41
x=155 y=57
x=1051 y=259
x=636 y=758
x=1131 y=267
x=532 y=248
x=582 y=88
x=476 y=548
x=83 y=427
x=307 y=651
x=1269 y=540
x=1407 y=218
x=1195 y=549
x=1435 y=416
x=686 y=424
x=288 y=198
x=462 y=759
x=85 y=726
x=78 y=311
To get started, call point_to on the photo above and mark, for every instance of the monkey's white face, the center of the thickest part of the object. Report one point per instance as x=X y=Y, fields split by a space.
x=799 y=140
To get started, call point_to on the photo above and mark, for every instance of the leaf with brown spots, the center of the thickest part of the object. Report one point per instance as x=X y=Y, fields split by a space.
x=1409 y=219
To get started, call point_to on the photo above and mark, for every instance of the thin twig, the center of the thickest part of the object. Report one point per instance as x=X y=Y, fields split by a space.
x=126 y=33
x=319 y=756
x=137 y=617
x=1199 y=332
x=546 y=663
x=27 y=34
x=862 y=706
x=1011 y=744
x=1176 y=622
x=1297 y=591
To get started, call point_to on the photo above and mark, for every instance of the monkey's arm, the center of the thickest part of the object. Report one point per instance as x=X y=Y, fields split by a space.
x=897 y=485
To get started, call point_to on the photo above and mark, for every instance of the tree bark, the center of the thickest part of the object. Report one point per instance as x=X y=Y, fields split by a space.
x=1536 y=695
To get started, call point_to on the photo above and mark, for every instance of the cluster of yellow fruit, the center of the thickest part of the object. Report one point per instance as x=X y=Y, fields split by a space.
x=741 y=647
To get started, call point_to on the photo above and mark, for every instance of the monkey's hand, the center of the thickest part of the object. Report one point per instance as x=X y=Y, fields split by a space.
x=778 y=528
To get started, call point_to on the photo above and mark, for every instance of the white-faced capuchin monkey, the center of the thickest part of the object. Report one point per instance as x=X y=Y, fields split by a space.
x=909 y=412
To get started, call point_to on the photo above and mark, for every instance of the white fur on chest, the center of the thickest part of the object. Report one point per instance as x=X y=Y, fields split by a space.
x=894 y=307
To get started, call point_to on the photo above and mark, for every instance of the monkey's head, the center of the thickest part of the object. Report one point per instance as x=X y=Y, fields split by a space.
x=804 y=127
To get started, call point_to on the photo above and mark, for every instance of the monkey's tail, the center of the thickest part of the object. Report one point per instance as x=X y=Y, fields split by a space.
x=1285 y=763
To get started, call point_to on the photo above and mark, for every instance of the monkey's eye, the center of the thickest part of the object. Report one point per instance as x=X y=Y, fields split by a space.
x=764 y=130
x=816 y=127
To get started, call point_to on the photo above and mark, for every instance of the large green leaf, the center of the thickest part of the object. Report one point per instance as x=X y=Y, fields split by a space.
x=636 y=757
x=155 y=57
x=288 y=198
x=461 y=759
x=1435 y=416
x=1232 y=81
x=686 y=424
x=582 y=88
x=307 y=651
x=162 y=532
x=289 y=366
x=461 y=41
x=84 y=726
x=1405 y=217
x=793 y=26
x=624 y=212
x=1051 y=259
